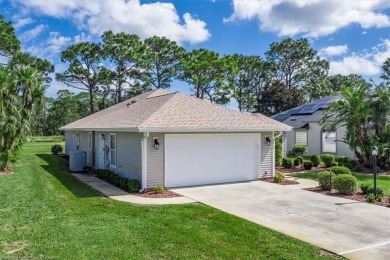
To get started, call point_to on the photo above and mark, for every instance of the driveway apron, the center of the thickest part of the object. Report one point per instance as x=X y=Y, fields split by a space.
x=353 y=229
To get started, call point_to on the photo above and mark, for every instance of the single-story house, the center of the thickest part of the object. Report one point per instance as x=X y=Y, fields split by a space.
x=308 y=131
x=176 y=140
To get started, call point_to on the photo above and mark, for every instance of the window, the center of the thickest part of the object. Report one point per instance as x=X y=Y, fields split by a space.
x=90 y=140
x=113 y=150
x=328 y=141
x=301 y=138
x=77 y=140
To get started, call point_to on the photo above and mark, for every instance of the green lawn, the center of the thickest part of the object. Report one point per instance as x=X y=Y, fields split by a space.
x=382 y=181
x=46 y=213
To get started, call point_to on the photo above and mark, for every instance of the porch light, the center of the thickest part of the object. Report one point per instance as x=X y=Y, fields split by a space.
x=103 y=137
x=267 y=140
x=374 y=151
x=156 y=143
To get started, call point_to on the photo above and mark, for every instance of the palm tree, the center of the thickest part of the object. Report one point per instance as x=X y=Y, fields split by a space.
x=352 y=111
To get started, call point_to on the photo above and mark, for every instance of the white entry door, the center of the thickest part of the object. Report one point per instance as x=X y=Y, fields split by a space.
x=101 y=152
x=198 y=159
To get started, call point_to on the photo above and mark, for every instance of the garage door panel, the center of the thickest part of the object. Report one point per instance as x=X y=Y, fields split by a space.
x=198 y=159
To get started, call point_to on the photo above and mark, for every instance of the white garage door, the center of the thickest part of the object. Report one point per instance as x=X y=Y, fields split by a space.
x=197 y=159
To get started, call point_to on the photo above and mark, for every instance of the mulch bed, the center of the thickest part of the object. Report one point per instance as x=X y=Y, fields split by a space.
x=358 y=196
x=299 y=168
x=284 y=182
x=152 y=194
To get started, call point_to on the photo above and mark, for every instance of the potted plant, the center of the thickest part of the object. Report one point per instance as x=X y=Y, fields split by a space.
x=307 y=165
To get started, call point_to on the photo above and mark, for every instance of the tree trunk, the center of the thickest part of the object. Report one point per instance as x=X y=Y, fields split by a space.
x=91 y=106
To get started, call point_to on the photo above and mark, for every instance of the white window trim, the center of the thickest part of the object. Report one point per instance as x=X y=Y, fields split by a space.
x=322 y=141
x=90 y=141
x=112 y=165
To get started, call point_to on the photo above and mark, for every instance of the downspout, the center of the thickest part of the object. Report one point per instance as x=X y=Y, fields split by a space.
x=144 y=160
x=93 y=151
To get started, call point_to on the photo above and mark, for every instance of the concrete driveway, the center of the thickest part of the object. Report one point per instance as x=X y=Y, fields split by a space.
x=353 y=229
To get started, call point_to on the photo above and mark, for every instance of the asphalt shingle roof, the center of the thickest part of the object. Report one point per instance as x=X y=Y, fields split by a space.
x=160 y=110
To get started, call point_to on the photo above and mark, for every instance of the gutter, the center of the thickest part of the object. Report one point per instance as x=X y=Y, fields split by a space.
x=144 y=160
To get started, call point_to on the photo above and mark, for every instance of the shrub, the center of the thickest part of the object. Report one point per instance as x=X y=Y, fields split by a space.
x=386 y=167
x=348 y=165
x=316 y=160
x=279 y=177
x=124 y=185
x=278 y=152
x=364 y=186
x=287 y=163
x=358 y=168
x=56 y=149
x=354 y=163
x=112 y=177
x=339 y=170
x=298 y=149
x=379 y=191
x=158 y=188
x=370 y=198
x=343 y=159
x=328 y=159
x=345 y=184
x=325 y=179
x=117 y=180
x=300 y=159
x=133 y=185
x=379 y=198
x=297 y=162
x=334 y=164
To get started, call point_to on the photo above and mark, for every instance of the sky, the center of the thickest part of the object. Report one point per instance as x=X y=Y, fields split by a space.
x=353 y=35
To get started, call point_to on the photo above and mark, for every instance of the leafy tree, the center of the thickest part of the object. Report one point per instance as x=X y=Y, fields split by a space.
x=296 y=64
x=164 y=56
x=66 y=108
x=275 y=98
x=84 y=71
x=8 y=42
x=386 y=71
x=330 y=85
x=128 y=53
x=205 y=71
x=247 y=77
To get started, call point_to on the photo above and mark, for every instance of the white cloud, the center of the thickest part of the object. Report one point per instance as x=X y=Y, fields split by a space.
x=21 y=22
x=365 y=64
x=82 y=37
x=56 y=43
x=128 y=16
x=33 y=33
x=333 y=50
x=311 y=17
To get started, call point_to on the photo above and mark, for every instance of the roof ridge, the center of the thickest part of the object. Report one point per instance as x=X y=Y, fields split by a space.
x=170 y=93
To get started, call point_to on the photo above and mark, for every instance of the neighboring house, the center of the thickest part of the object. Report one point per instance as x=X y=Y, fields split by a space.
x=176 y=140
x=308 y=131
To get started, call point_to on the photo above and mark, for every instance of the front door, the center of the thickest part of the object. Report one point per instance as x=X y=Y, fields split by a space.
x=101 y=151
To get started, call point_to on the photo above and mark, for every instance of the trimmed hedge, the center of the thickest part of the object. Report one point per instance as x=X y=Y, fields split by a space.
x=298 y=149
x=56 y=149
x=345 y=184
x=339 y=170
x=287 y=163
x=328 y=159
x=118 y=181
x=316 y=160
x=325 y=179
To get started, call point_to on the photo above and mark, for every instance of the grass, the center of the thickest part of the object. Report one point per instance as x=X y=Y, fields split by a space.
x=382 y=181
x=46 y=213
